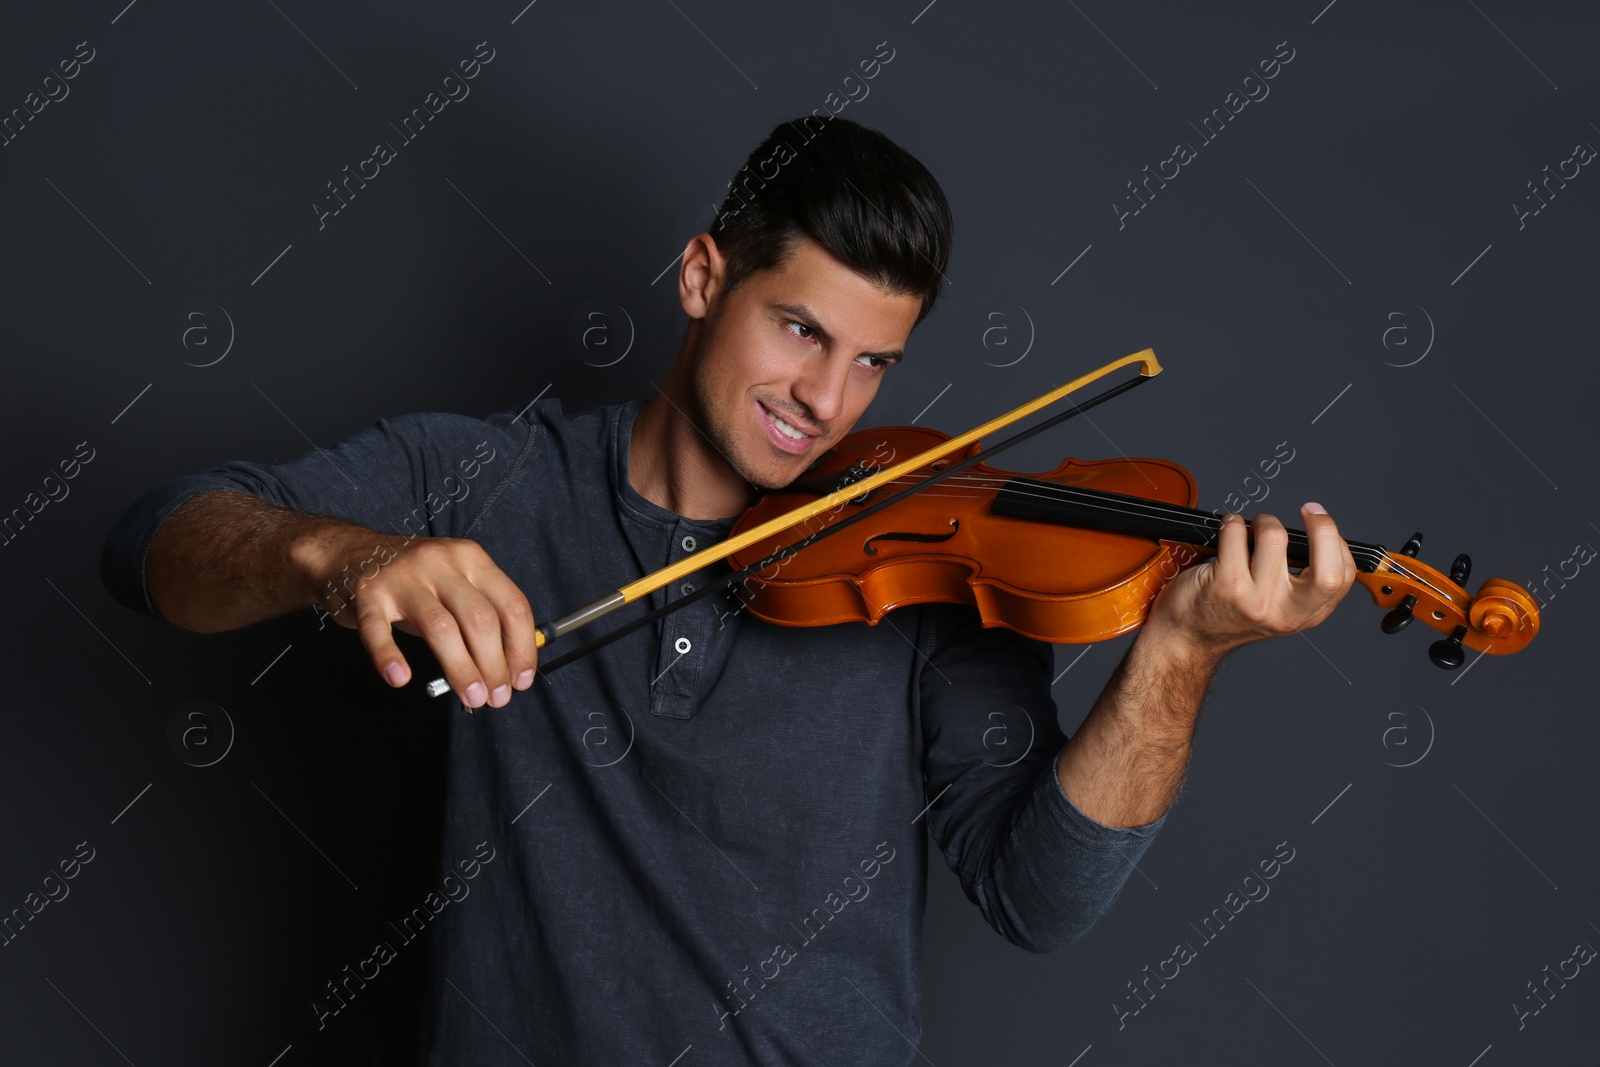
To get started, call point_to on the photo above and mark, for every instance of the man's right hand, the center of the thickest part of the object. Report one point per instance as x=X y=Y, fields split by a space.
x=226 y=559
x=445 y=590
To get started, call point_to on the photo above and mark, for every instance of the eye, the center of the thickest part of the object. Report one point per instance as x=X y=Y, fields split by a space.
x=873 y=362
x=794 y=325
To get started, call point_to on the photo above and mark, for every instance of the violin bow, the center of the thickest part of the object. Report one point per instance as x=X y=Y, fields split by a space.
x=1149 y=367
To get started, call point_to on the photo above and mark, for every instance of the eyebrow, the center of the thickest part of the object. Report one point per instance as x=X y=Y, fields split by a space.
x=805 y=315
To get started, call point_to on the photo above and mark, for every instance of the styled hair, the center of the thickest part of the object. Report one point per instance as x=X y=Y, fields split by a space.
x=862 y=197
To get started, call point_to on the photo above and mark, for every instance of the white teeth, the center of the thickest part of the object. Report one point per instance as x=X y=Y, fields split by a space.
x=788 y=431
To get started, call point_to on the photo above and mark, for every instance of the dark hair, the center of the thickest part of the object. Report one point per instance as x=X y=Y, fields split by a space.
x=859 y=195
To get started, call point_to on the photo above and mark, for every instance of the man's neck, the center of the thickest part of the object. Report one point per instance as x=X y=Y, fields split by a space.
x=672 y=464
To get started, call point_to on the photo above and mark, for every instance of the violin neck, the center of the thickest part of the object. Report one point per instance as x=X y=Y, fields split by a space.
x=1095 y=509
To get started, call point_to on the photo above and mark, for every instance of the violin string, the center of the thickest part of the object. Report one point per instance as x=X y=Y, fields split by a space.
x=1135 y=508
x=1149 y=508
x=1371 y=554
x=1374 y=555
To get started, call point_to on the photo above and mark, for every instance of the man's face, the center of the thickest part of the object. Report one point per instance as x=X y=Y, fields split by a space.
x=789 y=360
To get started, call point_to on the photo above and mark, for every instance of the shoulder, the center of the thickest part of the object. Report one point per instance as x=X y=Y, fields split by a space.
x=452 y=433
x=507 y=438
x=587 y=427
x=536 y=453
x=579 y=443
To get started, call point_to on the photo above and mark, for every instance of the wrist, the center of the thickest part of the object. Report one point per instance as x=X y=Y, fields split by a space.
x=1181 y=648
x=1172 y=669
x=317 y=553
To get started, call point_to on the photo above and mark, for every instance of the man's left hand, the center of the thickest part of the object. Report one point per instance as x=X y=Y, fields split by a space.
x=1244 y=595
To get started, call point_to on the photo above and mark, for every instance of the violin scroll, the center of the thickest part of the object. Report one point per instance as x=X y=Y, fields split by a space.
x=1502 y=618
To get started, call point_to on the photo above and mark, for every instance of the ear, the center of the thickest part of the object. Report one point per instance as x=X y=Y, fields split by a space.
x=700 y=275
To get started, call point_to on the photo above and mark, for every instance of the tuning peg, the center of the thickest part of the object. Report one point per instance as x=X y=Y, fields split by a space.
x=1460 y=569
x=1447 y=652
x=1400 y=617
x=1413 y=546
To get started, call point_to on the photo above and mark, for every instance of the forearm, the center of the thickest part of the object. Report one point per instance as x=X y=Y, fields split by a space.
x=1125 y=764
x=227 y=559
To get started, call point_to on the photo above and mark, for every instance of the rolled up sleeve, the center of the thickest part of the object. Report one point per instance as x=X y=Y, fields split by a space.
x=1039 y=870
x=421 y=474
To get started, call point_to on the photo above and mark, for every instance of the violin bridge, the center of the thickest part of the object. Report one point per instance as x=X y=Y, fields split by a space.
x=854 y=473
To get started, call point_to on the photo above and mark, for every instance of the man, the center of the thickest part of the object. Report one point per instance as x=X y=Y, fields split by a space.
x=730 y=853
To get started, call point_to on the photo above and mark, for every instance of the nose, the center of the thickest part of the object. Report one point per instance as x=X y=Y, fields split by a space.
x=820 y=386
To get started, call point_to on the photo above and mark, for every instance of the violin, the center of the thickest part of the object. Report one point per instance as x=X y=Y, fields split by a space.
x=1073 y=555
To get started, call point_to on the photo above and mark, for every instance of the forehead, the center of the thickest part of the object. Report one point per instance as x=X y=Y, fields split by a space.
x=848 y=304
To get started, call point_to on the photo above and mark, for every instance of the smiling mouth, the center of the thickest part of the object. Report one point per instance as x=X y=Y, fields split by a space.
x=788 y=429
x=784 y=434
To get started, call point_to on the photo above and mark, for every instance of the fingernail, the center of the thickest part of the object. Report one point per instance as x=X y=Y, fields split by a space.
x=396 y=674
x=525 y=679
x=1316 y=509
x=476 y=694
x=502 y=696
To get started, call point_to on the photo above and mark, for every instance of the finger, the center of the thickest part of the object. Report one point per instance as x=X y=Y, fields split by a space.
x=373 y=624
x=520 y=646
x=479 y=627
x=424 y=615
x=1269 y=560
x=1331 y=570
x=437 y=626
x=1233 y=550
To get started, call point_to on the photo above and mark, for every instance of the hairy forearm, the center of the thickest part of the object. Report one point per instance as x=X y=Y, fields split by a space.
x=1125 y=764
x=227 y=559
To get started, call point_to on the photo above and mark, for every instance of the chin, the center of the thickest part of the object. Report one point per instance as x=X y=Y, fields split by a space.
x=773 y=479
x=778 y=473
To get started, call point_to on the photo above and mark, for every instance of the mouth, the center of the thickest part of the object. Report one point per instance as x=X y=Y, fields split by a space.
x=792 y=439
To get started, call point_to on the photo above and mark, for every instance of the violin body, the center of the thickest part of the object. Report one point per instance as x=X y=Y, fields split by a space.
x=1064 y=585
x=1073 y=555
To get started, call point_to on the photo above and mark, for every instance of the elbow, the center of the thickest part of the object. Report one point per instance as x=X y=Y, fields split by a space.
x=1045 y=941
x=1044 y=948
x=1046 y=930
x=119 y=578
x=1040 y=946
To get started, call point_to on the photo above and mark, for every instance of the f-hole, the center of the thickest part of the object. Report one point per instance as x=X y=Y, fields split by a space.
x=925 y=538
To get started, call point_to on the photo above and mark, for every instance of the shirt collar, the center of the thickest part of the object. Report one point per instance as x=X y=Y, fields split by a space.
x=630 y=500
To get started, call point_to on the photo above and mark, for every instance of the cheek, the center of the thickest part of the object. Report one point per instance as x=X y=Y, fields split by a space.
x=766 y=362
x=764 y=370
x=746 y=357
x=861 y=391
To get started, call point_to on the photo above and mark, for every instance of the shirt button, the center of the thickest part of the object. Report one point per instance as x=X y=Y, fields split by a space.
x=688 y=543
x=686 y=588
x=683 y=645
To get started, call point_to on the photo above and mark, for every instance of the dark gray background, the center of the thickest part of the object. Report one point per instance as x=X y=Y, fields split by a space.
x=1294 y=264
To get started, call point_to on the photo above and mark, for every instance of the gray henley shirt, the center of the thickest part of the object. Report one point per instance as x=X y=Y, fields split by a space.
x=728 y=847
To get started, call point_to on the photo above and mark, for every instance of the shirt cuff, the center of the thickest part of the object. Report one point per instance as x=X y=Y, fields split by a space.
x=1088 y=831
x=123 y=557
